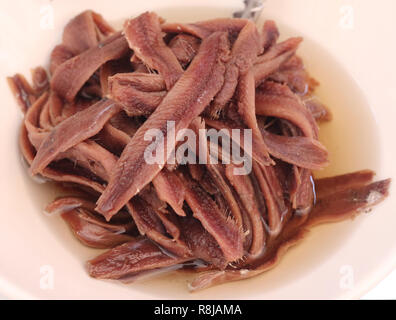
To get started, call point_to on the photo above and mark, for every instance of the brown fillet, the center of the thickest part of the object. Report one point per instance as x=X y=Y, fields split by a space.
x=150 y=195
x=274 y=199
x=145 y=38
x=92 y=234
x=56 y=108
x=40 y=81
x=184 y=47
x=44 y=119
x=85 y=31
x=138 y=255
x=202 y=244
x=272 y=255
x=32 y=120
x=243 y=54
x=126 y=124
x=135 y=102
x=110 y=69
x=303 y=196
x=113 y=139
x=89 y=228
x=196 y=171
x=224 y=229
x=277 y=100
x=269 y=34
x=145 y=82
x=301 y=151
x=167 y=184
x=23 y=92
x=218 y=175
x=70 y=76
x=338 y=183
x=28 y=152
x=90 y=155
x=150 y=225
x=319 y=111
x=204 y=29
x=64 y=204
x=338 y=206
x=183 y=103
x=59 y=55
x=170 y=189
x=169 y=220
x=274 y=58
x=246 y=93
x=293 y=74
x=68 y=109
x=335 y=207
x=244 y=187
x=218 y=178
x=100 y=162
x=227 y=126
x=73 y=130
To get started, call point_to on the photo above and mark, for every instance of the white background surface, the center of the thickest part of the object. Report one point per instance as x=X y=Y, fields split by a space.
x=384 y=290
x=373 y=19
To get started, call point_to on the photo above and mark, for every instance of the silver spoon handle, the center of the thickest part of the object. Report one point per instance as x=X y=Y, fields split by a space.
x=253 y=9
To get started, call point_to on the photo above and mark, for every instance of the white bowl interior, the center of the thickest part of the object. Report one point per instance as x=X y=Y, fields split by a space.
x=31 y=240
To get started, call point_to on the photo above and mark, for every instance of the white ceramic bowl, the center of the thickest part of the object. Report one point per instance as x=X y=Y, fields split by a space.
x=348 y=48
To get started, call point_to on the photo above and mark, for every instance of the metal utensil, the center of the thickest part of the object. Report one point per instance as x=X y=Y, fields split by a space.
x=253 y=9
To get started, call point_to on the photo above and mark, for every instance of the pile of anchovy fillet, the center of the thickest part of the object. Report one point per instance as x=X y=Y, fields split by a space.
x=85 y=121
